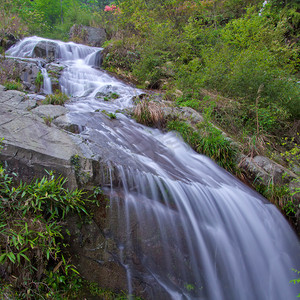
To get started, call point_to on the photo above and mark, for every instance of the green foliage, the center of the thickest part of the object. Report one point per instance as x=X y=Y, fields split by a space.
x=39 y=80
x=209 y=141
x=13 y=85
x=58 y=98
x=297 y=280
x=31 y=235
x=48 y=120
x=109 y=114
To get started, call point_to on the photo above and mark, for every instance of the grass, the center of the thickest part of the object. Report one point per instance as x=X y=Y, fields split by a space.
x=209 y=141
x=13 y=85
x=149 y=113
x=58 y=98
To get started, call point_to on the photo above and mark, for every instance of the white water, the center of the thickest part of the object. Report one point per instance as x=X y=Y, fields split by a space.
x=185 y=227
x=47 y=86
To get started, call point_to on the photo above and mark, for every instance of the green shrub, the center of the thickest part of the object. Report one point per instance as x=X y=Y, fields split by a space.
x=58 y=98
x=31 y=235
x=14 y=85
x=39 y=80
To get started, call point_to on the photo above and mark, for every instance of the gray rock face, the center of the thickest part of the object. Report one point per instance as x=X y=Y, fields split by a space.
x=88 y=35
x=25 y=69
x=54 y=71
x=51 y=111
x=46 y=49
x=30 y=146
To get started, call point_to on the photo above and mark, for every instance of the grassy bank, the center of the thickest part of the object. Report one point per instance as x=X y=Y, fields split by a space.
x=237 y=60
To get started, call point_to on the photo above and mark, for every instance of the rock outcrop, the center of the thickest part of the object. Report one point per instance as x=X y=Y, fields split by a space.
x=30 y=146
x=87 y=35
x=46 y=49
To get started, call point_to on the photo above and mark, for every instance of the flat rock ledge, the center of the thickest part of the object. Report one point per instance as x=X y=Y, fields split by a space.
x=32 y=143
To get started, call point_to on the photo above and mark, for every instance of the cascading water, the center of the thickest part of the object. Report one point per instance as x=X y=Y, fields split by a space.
x=47 y=86
x=184 y=226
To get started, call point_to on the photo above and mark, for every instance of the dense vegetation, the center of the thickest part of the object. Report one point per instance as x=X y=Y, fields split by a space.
x=239 y=60
x=49 y=18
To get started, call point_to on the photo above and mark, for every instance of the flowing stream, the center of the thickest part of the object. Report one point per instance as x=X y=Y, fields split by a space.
x=184 y=226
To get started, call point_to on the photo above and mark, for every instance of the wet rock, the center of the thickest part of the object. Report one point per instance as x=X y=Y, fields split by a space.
x=88 y=35
x=54 y=71
x=46 y=49
x=95 y=255
x=8 y=41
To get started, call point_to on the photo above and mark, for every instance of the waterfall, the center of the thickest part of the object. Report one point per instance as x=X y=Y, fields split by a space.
x=184 y=227
x=47 y=86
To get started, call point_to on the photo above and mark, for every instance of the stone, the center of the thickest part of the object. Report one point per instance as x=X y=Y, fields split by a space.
x=88 y=35
x=49 y=110
x=30 y=146
x=25 y=69
x=46 y=49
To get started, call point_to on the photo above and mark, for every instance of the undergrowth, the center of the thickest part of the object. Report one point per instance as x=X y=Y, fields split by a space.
x=32 y=258
x=13 y=85
x=207 y=140
x=58 y=98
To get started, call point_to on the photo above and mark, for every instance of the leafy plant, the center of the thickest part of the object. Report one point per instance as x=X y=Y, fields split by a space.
x=14 y=85
x=109 y=114
x=39 y=80
x=58 y=98
x=31 y=235
x=297 y=280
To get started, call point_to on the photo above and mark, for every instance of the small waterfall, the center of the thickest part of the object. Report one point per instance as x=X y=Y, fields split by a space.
x=185 y=228
x=47 y=85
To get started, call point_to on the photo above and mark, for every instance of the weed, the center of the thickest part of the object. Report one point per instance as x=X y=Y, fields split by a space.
x=109 y=114
x=39 y=80
x=14 y=85
x=149 y=113
x=58 y=98
x=48 y=120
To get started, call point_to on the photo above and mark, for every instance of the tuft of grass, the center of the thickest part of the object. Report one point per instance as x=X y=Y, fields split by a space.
x=48 y=120
x=14 y=85
x=58 y=98
x=207 y=140
x=149 y=113
x=39 y=80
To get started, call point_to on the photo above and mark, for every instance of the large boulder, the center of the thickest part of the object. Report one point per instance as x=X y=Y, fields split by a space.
x=30 y=146
x=91 y=36
x=24 y=70
x=46 y=49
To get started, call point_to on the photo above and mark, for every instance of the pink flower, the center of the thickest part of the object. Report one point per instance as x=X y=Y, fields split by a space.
x=108 y=8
